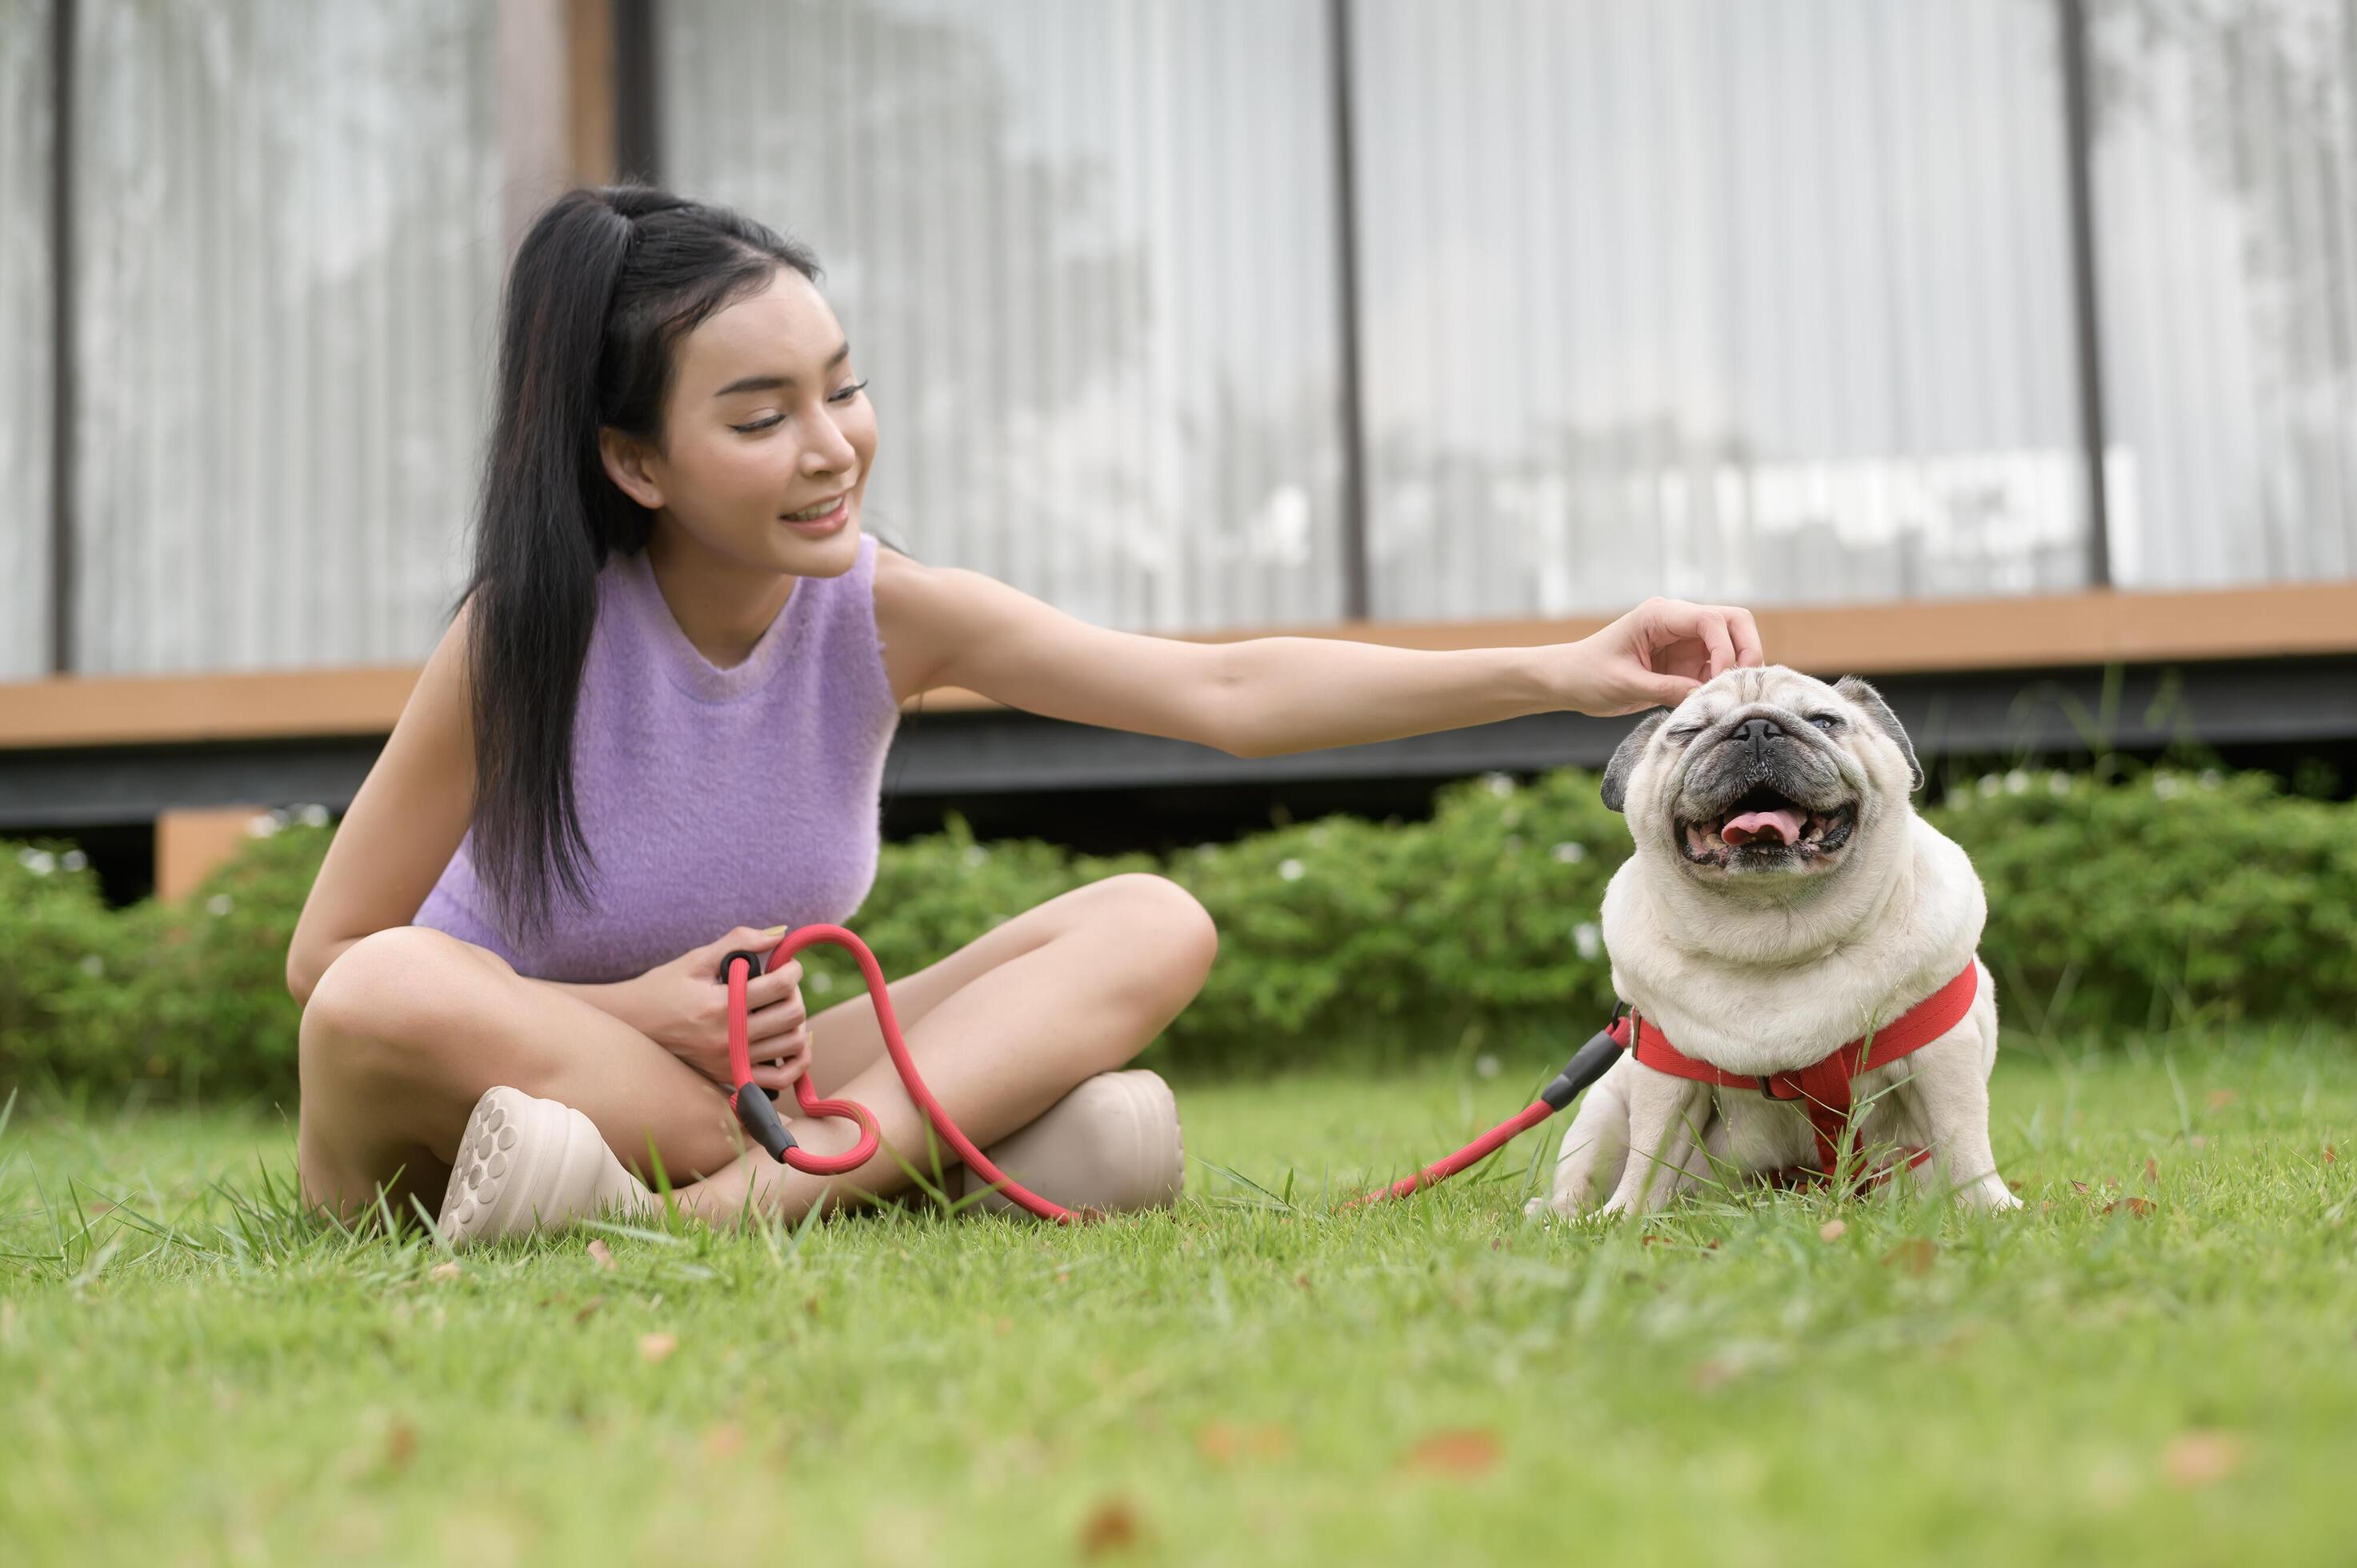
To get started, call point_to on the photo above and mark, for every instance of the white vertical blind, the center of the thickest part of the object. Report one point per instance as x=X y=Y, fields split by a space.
x=288 y=227
x=1764 y=300
x=2225 y=183
x=1087 y=253
x=26 y=105
x=1758 y=299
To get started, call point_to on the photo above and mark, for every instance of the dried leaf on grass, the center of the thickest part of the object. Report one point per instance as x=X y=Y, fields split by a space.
x=1460 y=1451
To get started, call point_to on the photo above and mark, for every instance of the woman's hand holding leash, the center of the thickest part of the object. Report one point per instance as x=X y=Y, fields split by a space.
x=682 y=1007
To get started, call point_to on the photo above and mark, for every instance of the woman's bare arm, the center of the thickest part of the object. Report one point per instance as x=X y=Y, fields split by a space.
x=1271 y=695
x=404 y=825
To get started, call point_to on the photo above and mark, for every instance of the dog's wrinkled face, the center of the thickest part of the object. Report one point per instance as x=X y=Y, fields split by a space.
x=1763 y=774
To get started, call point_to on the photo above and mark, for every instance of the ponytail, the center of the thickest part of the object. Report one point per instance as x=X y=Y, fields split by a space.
x=602 y=290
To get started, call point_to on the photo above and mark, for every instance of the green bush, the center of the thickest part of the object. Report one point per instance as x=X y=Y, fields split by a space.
x=2162 y=897
x=187 y=996
x=2114 y=904
x=59 y=1012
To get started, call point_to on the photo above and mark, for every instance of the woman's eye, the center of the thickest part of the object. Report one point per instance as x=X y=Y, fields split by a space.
x=845 y=394
x=1825 y=721
x=755 y=426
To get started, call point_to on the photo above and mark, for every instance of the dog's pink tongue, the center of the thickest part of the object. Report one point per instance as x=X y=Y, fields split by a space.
x=1743 y=827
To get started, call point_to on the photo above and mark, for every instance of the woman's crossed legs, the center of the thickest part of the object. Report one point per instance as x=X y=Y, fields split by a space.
x=409 y=1026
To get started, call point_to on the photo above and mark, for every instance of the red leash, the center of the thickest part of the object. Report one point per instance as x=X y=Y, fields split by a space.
x=761 y=1119
x=1588 y=1064
x=1822 y=1087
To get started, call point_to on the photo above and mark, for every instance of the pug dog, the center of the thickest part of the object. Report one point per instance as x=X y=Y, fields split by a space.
x=1784 y=899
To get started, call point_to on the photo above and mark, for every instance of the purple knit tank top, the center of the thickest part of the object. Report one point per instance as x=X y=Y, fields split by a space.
x=709 y=798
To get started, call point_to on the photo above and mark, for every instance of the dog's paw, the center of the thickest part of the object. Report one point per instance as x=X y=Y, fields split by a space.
x=1561 y=1205
x=1988 y=1195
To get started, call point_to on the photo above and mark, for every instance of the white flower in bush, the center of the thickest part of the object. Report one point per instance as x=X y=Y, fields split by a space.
x=821 y=982
x=1571 y=854
x=1291 y=870
x=220 y=904
x=1991 y=784
x=1587 y=939
x=262 y=824
x=39 y=862
x=975 y=855
x=93 y=965
x=1501 y=784
x=1485 y=1065
x=2017 y=782
x=74 y=860
x=2058 y=783
x=312 y=816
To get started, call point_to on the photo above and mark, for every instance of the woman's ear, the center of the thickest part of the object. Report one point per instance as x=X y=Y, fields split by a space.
x=629 y=464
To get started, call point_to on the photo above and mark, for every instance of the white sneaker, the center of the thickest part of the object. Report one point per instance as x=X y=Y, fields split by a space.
x=526 y=1164
x=1113 y=1144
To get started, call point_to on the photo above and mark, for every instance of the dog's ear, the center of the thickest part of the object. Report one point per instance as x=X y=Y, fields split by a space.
x=1624 y=760
x=1869 y=701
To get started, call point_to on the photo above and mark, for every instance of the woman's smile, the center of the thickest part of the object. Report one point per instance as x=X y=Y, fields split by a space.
x=824 y=518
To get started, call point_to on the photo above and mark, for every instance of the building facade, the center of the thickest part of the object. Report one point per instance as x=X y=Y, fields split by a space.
x=1205 y=316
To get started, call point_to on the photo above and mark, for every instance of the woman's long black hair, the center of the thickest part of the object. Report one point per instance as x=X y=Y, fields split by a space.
x=601 y=293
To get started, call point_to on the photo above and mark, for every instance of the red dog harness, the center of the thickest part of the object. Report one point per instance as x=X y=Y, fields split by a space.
x=1823 y=1087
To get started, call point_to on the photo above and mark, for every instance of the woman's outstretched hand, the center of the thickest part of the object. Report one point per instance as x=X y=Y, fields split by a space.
x=684 y=1007
x=1654 y=655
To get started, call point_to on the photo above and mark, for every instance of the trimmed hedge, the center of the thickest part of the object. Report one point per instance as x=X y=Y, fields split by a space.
x=2156 y=898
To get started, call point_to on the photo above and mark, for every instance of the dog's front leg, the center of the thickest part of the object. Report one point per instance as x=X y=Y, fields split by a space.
x=1949 y=1090
x=1665 y=1120
x=1595 y=1147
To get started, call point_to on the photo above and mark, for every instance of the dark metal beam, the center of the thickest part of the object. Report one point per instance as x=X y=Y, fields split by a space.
x=1358 y=594
x=63 y=388
x=1999 y=715
x=2002 y=715
x=129 y=784
x=637 y=125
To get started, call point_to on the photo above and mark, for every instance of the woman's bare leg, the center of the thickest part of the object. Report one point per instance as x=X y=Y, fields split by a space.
x=409 y=1027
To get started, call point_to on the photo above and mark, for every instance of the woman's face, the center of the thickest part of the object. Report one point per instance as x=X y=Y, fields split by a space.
x=767 y=435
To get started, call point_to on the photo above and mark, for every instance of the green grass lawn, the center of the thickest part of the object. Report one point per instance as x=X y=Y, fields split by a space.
x=2155 y=1363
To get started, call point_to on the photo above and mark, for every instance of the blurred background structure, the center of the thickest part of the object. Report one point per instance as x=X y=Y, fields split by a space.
x=2003 y=350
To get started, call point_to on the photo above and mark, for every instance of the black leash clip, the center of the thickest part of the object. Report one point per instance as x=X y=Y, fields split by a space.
x=1587 y=1064
x=759 y=963
x=756 y=1112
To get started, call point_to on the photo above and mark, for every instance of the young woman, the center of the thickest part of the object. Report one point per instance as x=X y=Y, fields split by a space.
x=661 y=713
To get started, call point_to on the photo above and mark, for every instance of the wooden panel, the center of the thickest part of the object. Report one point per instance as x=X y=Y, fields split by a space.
x=130 y=710
x=1881 y=640
x=191 y=844
x=589 y=35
